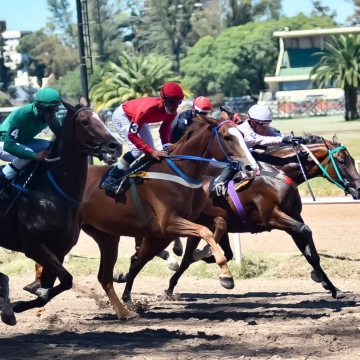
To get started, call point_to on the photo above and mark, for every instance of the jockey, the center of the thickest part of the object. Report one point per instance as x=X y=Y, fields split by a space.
x=257 y=132
x=201 y=105
x=131 y=121
x=17 y=132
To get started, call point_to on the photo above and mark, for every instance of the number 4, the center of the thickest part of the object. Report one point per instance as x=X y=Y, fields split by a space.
x=15 y=133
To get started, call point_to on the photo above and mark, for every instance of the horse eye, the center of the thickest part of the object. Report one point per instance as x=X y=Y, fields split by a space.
x=86 y=122
x=227 y=138
x=341 y=161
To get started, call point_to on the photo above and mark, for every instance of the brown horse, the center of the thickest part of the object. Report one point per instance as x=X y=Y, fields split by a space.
x=271 y=203
x=43 y=222
x=167 y=208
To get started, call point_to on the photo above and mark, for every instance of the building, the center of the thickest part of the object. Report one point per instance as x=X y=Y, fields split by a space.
x=291 y=82
x=11 y=40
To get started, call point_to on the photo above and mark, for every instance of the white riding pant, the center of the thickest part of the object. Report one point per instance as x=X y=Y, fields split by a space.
x=121 y=124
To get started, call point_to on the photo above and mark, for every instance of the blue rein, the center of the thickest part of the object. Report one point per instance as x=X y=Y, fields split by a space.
x=61 y=192
x=197 y=158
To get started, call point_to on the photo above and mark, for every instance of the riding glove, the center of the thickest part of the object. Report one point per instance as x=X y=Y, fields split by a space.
x=296 y=140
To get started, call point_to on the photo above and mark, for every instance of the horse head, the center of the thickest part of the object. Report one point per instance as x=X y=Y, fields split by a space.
x=233 y=116
x=342 y=167
x=88 y=134
x=228 y=143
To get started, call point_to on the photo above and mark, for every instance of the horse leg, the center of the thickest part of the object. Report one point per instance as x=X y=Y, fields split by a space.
x=302 y=236
x=7 y=313
x=224 y=243
x=183 y=227
x=172 y=262
x=205 y=253
x=47 y=259
x=149 y=248
x=108 y=245
x=191 y=244
x=178 y=247
x=32 y=287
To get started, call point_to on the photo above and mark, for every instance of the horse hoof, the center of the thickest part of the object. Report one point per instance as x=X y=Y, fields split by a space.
x=119 y=278
x=173 y=264
x=31 y=288
x=42 y=293
x=227 y=282
x=129 y=315
x=316 y=276
x=8 y=316
x=338 y=294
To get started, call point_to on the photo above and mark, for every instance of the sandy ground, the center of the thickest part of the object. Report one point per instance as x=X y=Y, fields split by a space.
x=260 y=318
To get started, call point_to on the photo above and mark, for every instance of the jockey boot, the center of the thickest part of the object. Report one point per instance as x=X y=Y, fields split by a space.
x=3 y=180
x=112 y=181
x=218 y=185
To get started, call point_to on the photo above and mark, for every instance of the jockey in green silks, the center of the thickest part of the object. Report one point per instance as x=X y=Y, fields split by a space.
x=17 y=133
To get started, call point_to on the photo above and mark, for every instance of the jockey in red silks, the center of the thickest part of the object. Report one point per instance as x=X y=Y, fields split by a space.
x=131 y=121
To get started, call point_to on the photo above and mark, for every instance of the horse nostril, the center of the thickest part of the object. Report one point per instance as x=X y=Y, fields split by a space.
x=113 y=146
x=248 y=168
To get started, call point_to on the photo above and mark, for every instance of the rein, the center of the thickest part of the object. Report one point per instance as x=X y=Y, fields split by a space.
x=341 y=184
x=215 y=133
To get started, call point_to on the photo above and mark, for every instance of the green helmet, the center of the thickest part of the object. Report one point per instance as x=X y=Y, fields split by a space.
x=47 y=97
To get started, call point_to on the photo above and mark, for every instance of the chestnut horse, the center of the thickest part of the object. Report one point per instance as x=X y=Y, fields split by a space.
x=271 y=203
x=44 y=224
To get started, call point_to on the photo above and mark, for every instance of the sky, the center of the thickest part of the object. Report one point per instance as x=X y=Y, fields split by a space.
x=33 y=14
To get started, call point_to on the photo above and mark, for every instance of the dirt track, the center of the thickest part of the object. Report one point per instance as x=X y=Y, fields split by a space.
x=268 y=319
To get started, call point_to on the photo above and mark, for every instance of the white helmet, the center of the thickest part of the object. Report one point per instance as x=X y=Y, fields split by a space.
x=260 y=113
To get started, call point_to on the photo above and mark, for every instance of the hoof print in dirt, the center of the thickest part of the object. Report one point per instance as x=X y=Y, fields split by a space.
x=170 y=297
x=139 y=306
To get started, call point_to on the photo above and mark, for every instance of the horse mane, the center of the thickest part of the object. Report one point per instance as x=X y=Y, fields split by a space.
x=197 y=122
x=309 y=139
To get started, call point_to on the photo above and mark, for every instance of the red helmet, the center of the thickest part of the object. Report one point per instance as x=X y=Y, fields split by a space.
x=172 y=92
x=202 y=105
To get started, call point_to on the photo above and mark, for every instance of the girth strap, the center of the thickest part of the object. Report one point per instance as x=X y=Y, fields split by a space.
x=162 y=176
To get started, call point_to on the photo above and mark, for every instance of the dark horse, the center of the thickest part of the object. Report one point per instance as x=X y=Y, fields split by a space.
x=44 y=223
x=272 y=203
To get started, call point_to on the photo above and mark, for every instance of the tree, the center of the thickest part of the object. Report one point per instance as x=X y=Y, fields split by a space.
x=340 y=65
x=321 y=10
x=236 y=62
x=241 y=12
x=137 y=76
x=164 y=27
x=62 y=20
x=47 y=55
x=68 y=86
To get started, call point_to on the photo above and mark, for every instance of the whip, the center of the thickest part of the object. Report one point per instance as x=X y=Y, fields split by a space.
x=302 y=169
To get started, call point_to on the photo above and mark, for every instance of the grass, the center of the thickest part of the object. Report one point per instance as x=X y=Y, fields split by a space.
x=253 y=265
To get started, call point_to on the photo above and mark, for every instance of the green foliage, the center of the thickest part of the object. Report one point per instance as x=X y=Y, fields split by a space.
x=62 y=20
x=236 y=62
x=47 y=55
x=69 y=86
x=242 y=12
x=339 y=65
x=137 y=76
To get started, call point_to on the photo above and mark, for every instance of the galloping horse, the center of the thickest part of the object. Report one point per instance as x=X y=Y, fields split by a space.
x=270 y=202
x=43 y=224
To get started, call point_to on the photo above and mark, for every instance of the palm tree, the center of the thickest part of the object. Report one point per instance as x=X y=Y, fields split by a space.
x=340 y=65
x=138 y=76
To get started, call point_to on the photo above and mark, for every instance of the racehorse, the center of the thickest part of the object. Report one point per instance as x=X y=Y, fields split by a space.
x=163 y=208
x=273 y=202
x=43 y=221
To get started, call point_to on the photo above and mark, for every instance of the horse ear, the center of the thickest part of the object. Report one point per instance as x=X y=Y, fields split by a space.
x=83 y=101
x=68 y=107
x=335 y=139
x=224 y=115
